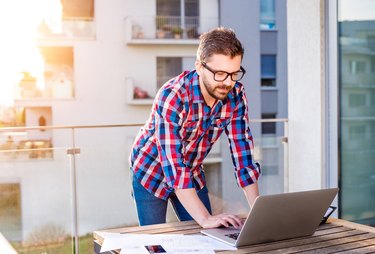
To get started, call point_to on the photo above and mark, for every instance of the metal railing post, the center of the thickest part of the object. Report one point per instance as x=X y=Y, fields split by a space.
x=73 y=152
x=286 y=156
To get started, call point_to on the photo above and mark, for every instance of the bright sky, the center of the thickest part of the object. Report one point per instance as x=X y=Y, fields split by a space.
x=19 y=20
x=356 y=10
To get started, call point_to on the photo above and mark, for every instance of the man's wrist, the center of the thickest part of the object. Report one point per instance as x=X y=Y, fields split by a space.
x=202 y=220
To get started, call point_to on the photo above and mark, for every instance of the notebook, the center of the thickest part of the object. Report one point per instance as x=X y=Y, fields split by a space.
x=278 y=217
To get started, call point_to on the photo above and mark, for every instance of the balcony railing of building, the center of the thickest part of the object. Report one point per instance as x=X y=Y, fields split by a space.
x=71 y=28
x=166 y=29
x=56 y=191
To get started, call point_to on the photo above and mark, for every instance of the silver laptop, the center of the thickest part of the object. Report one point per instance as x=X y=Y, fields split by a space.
x=279 y=217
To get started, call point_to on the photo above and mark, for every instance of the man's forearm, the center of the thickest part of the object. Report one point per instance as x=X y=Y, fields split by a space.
x=193 y=205
x=251 y=192
x=190 y=200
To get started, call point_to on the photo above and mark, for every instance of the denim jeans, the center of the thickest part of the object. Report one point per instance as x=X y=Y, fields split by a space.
x=153 y=210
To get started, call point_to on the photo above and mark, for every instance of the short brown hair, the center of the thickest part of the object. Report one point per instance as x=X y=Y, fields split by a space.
x=219 y=41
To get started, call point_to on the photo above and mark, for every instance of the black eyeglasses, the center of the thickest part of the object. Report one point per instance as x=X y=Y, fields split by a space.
x=223 y=75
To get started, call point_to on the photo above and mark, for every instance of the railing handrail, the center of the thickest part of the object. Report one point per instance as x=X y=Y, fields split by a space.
x=54 y=127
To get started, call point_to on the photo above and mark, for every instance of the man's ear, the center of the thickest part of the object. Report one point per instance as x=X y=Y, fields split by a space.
x=198 y=66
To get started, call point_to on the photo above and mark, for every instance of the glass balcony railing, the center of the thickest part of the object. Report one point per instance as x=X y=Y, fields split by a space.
x=71 y=28
x=56 y=192
x=164 y=29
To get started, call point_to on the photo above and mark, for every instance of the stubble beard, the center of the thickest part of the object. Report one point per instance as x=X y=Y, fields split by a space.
x=217 y=91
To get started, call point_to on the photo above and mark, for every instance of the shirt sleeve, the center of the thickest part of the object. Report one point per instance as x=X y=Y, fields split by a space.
x=242 y=144
x=168 y=119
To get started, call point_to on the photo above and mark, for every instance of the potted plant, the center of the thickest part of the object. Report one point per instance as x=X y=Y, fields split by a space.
x=177 y=32
x=192 y=33
x=160 y=33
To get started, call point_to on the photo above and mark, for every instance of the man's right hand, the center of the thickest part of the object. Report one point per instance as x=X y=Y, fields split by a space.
x=223 y=219
x=195 y=207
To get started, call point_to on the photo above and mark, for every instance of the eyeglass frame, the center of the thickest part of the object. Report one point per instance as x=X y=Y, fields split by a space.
x=228 y=74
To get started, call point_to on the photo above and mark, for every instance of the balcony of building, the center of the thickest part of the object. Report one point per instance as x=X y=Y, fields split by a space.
x=154 y=30
x=56 y=191
x=73 y=28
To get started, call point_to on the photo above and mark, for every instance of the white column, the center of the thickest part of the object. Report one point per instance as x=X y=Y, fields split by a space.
x=305 y=93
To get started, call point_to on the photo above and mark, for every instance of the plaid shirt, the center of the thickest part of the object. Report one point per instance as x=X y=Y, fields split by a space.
x=169 y=150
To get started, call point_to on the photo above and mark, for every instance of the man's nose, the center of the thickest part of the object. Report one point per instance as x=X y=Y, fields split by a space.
x=228 y=81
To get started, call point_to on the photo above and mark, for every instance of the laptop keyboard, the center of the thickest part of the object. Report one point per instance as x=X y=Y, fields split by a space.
x=233 y=236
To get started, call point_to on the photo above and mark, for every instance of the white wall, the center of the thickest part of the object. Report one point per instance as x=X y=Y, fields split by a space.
x=305 y=94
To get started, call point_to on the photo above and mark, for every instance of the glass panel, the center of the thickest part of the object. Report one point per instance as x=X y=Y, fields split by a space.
x=59 y=71
x=269 y=151
x=192 y=17
x=36 y=213
x=191 y=8
x=268 y=66
x=39 y=185
x=268 y=82
x=267 y=14
x=175 y=20
x=167 y=68
x=168 y=8
x=103 y=180
x=269 y=127
x=357 y=119
x=26 y=139
x=10 y=210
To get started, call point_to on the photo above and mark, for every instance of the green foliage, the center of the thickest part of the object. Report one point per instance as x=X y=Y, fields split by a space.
x=86 y=245
x=177 y=30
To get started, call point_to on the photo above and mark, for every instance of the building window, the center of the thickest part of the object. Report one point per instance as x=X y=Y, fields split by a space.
x=355 y=38
x=169 y=67
x=371 y=42
x=56 y=79
x=29 y=144
x=268 y=82
x=269 y=127
x=357 y=131
x=59 y=71
x=267 y=15
x=357 y=100
x=176 y=19
x=78 y=9
x=372 y=63
x=268 y=70
x=174 y=8
x=10 y=211
x=356 y=67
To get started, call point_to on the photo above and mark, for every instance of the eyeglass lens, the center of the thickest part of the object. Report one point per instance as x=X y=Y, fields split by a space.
x=222 y=75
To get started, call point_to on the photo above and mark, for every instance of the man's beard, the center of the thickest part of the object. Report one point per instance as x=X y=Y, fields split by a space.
x=219 y=92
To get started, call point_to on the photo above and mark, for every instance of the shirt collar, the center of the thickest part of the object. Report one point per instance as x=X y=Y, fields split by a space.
x=197 y=94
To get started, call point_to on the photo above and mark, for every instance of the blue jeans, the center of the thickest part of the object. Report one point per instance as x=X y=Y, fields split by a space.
x=153 y=210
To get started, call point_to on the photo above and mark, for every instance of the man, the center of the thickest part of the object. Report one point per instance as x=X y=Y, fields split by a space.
x=189 y=114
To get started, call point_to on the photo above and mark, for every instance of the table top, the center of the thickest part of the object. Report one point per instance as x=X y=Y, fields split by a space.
x=336 y=236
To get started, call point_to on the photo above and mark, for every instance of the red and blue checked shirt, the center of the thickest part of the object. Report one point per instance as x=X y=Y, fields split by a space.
x=169 y=150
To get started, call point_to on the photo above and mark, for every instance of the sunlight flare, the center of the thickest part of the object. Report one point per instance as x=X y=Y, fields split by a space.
x=19 y=23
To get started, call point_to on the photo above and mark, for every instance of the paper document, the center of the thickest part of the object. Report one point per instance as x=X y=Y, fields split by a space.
x=142 y=250
x=170 y=242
